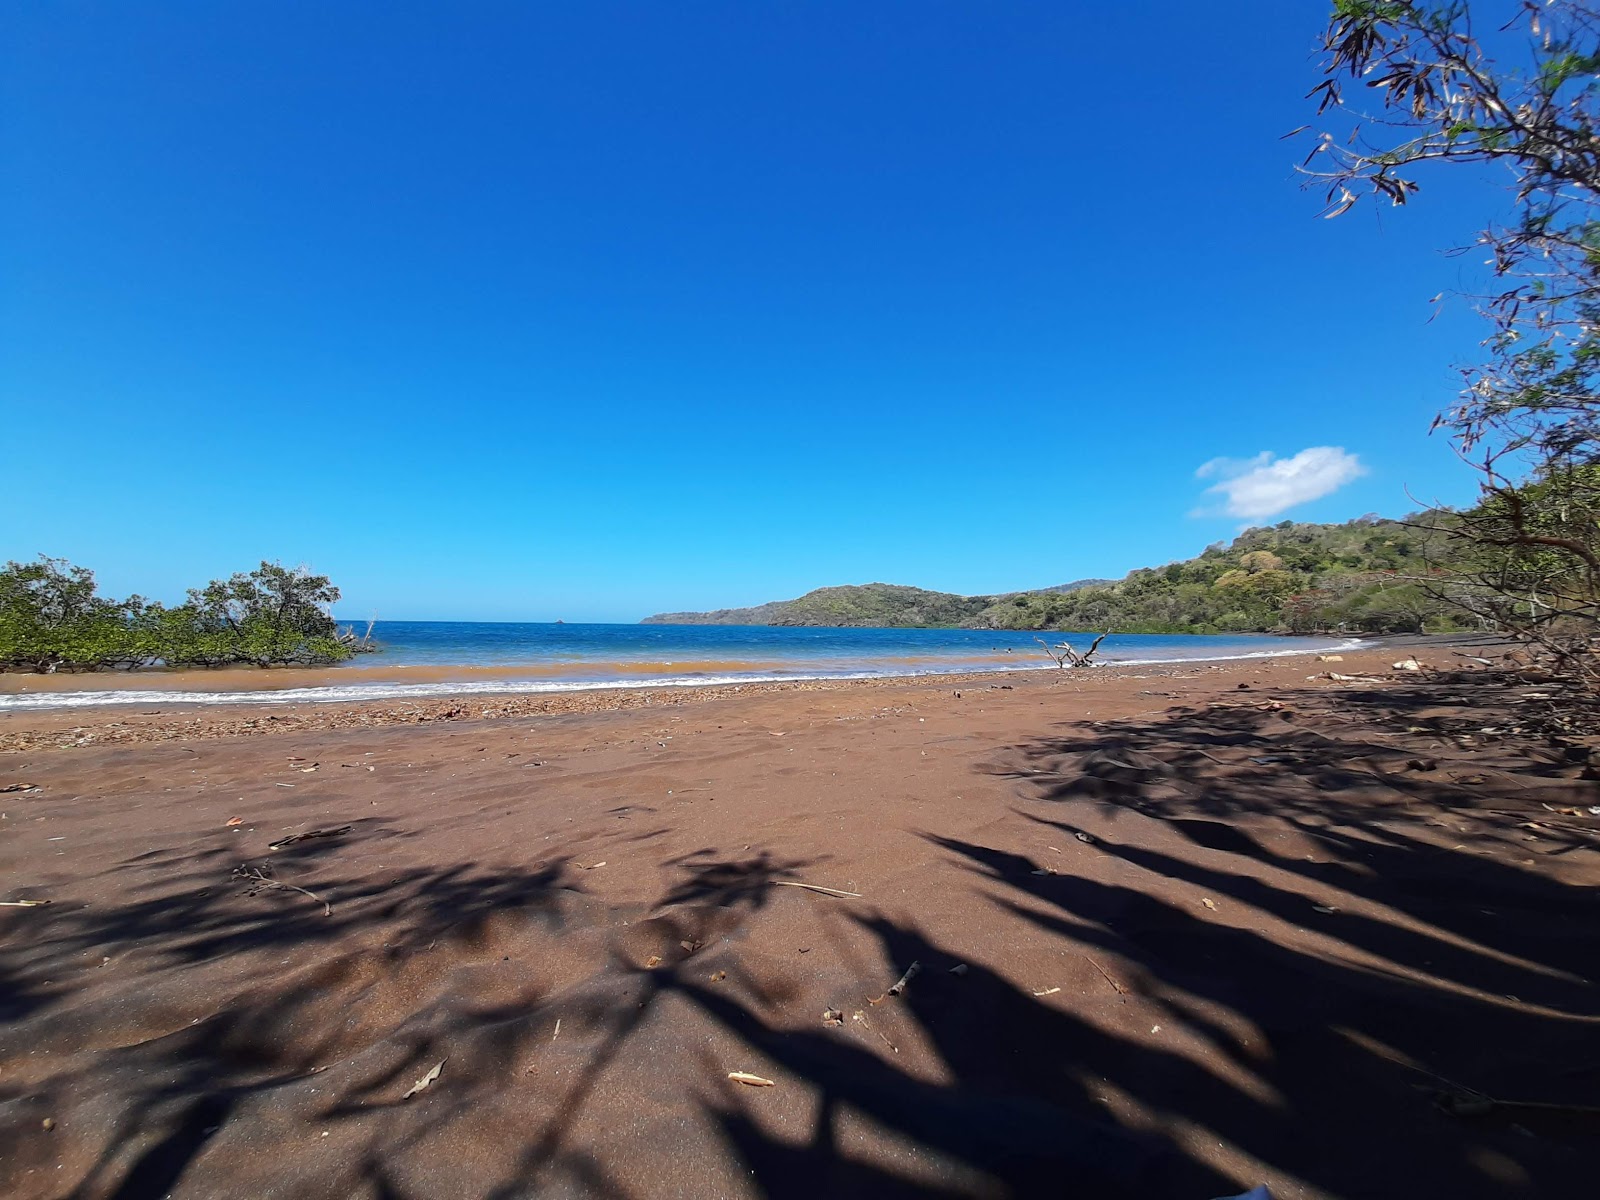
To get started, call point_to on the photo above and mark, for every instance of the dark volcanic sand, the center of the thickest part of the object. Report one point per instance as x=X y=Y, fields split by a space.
x=1273 y=946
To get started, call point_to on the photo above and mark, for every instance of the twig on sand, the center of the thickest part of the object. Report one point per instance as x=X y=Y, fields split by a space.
x=1121 y=991
x=23 y=903
x=814 y=887
x=749 y=1080
x=307 y=836
x=258 y=879
x=911 y=973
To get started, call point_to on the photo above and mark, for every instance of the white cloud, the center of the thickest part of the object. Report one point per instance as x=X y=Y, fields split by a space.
x=1265 y=486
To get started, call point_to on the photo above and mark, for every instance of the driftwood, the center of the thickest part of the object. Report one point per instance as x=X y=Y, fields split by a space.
x=258 y=879
x=911 y=973
x=1065 y=656
x=817 y=887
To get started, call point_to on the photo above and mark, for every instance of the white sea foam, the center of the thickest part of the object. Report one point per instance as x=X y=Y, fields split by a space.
x=353 y=693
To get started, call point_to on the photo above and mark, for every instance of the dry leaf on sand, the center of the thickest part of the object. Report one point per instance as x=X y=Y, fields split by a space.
x=422 y=1083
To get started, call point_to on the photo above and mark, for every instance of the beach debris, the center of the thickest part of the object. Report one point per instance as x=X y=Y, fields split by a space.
x=1048 y=992
x=814 y=887
x=557 y=1032
x=23 y=903
x=1045 y=871
x=1209 y=903
x=1330 y=658
x=959 y=969
x=235 y=821
x=652 y=962
x=308 y=835
x=718 y=976
x=750 y=1080
x=832 y=1016
x=1266 y=760
x=900 y=984
x=47 y=1124
x=422 y=1084
x=1117 y=987
x=589 y=866
x=1422 y=764
x=258 y=879
x=1325 y=908
x=1408 y=664
x=1064 y=656
x=866 y=1024
x=1086 y=838
x=19 y=787
x=691 y=947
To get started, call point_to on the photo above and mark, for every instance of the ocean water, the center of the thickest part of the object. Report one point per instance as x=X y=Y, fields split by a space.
x=442 y=658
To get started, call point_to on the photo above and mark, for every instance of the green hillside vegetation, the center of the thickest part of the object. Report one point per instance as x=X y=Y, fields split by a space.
x=876 y=605
x=1367 y=575
x=867 y=605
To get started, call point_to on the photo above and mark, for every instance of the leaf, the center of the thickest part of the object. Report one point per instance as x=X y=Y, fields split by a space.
x=422 y=1083
x=749 y=1080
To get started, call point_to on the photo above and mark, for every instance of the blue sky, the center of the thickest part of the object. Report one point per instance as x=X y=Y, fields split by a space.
x=527 y=311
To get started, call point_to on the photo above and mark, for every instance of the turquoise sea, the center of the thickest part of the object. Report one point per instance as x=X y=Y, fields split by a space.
x=441 y=658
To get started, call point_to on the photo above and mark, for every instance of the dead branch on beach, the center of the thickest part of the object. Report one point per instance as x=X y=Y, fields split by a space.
x=816 y=887
x=1065 y=656
x=258 y=879
x=900 y=984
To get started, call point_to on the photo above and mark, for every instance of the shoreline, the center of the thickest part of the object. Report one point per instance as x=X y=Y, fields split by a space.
x=169 y=717
x=23 y=692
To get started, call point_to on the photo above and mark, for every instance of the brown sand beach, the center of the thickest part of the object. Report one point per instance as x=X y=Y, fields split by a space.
x=1164 y=932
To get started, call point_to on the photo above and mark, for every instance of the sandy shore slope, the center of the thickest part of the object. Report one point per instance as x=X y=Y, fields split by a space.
x=1180 y=931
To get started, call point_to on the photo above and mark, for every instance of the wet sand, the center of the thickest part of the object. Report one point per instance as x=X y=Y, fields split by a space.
x=1212 y=935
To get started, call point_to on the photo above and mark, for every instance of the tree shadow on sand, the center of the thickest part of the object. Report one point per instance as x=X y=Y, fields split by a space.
x=1282 y=952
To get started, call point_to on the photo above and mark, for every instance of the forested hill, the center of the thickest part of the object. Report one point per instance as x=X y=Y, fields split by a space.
x=1360 y=575
x=877 y=605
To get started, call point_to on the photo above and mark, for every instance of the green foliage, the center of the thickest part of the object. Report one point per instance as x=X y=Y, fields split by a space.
x=1359 y=577
x=51 y=615
x=867 y=605
x=1513 y=85
x=1528 y=557
x=1296 y=578
x=53 y=618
